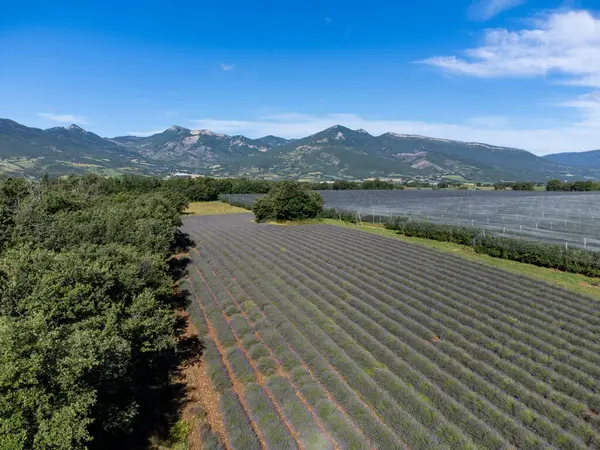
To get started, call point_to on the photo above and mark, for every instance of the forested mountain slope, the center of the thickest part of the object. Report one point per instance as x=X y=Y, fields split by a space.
x=337 y=152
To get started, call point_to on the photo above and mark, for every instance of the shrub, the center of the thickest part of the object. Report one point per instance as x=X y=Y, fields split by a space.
x=288 y=201
x=437 y=232
x=530 y=252
x=540 y=254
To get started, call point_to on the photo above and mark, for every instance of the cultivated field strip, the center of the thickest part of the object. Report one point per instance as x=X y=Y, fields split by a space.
x=581 y=363
x=325 y=337
x=349 y=436
x=397 y=391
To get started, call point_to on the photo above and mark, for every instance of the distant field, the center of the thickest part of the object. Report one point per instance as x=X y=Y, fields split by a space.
x=554 y=217
x=326 y=337
x=212 y=208
x=578 y=283
x=455 y=178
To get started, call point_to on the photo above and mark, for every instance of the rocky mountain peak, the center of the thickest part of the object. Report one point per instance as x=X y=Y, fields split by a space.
x=177 y=128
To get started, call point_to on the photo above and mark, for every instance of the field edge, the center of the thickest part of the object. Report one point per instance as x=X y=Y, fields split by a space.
x=212 y=208
x=578 y=283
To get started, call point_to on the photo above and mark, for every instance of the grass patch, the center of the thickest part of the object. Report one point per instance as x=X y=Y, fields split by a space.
x=212 y=208
x=289 y=223
x=178 y=438
x=578 y=283
x=455 y=178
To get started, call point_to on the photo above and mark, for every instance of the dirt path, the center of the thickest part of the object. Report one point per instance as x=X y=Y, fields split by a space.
x=202 y=400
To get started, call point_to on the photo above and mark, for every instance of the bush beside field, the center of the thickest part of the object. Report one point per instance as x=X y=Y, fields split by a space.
x=288 y=201
x=536 y=253
x=87 y=321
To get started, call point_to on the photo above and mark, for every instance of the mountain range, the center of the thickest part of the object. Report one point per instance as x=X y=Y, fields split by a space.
x=337 y=152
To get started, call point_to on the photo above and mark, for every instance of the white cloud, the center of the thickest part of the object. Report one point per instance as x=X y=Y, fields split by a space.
x=562 y=43
x=589 y=106
x=65 y=118
x=486 y=9
x=582 y=135
x=227 y=67
x=143 y=133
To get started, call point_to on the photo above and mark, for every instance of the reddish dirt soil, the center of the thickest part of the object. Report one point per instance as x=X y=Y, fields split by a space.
x=201 y=395
x=434 y=339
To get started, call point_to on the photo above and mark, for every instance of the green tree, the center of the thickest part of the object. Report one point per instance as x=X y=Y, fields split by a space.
x=554 y=185
x=523 y=186
x=343 y=185
x=288 y=201
x=80 y=330
x=86 y=321
x=377 y=184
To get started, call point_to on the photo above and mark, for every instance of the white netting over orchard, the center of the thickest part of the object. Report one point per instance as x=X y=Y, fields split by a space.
x=565 y=218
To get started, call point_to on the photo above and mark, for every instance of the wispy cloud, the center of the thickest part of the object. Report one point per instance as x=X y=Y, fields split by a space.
x=143 y=133
x=486 y=9
x=560 y=43
x=171 y=112
x=328 y=19
x=227 y=67
x=570 y=136
x=64 y=118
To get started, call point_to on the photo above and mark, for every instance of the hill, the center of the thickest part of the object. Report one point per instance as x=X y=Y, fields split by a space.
x=589 y=159
x=337 y=152
x=32 y=151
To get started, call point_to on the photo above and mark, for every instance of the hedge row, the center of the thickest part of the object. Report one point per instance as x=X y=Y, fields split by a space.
x=336 y=424
x=524 y=437
x=265 y=415
x=545 y=255
x=540 y=254
x=415 y=433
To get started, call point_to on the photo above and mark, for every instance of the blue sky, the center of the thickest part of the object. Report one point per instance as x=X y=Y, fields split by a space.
x=523 y=73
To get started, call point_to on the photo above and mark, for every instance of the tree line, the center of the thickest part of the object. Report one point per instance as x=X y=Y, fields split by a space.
x=208 y=188
x=87 y=320
x=515 y=186
x=577 y=186
x=537 y=253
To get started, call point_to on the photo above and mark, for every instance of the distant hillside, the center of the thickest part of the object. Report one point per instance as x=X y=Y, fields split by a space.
x=337 y=152
x=32 y=151
x=589 y=159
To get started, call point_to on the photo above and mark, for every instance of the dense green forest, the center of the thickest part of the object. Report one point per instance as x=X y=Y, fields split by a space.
x=87 y=308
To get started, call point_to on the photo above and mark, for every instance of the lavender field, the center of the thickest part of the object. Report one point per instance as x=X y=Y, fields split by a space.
x=321 y=337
